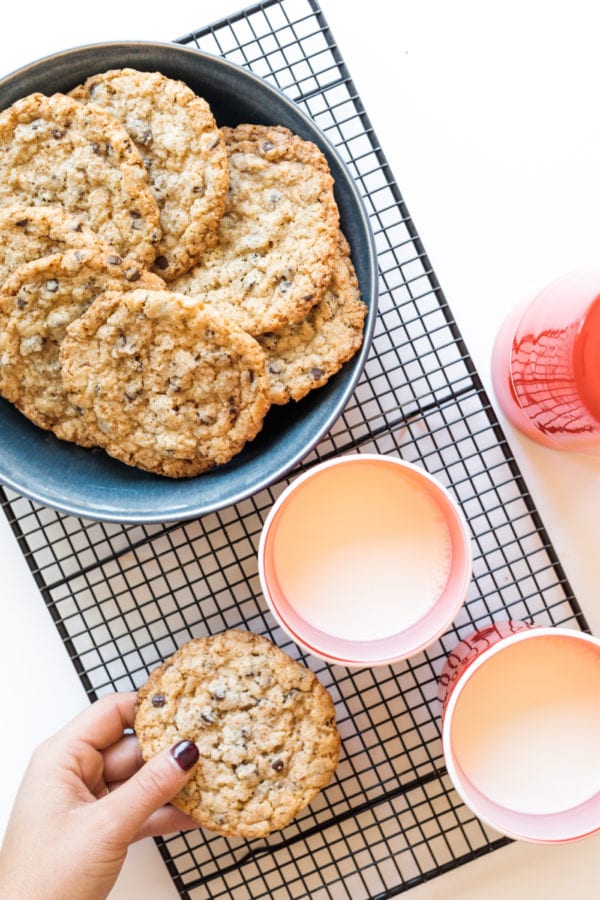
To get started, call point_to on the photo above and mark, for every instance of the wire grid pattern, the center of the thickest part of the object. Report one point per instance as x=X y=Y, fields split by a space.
x=125 y=597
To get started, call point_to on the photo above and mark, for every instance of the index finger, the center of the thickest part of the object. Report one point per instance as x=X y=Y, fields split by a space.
x=104 y=721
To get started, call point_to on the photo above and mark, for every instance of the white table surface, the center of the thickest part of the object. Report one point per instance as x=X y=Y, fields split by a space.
x=488 y=114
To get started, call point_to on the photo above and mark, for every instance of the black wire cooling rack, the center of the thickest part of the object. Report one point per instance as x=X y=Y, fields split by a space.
x=125 y=597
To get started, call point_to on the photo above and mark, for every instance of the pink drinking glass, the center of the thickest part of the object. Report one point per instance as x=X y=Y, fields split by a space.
x=321 y=485
x=546 y=364
x=465 y=665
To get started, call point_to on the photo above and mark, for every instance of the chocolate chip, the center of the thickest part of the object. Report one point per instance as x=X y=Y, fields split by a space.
x=208 y=716
x=159 y=700
x=21 y=303
x=308 y=297
x=95 y=148
x=147 y=136
x=316 y=373
x=58 y=133
x=162 y=262
x=21 y=223
x=135 y=214
x=267 y=145
x=132 y=274
x=219 y=693
x=284 y=286
x=277 y=765
x=275 y=368
x=115 y=260
x=52 y=285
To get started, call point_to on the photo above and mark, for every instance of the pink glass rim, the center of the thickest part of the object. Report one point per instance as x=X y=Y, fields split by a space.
x=392 y=648
x=548 y=828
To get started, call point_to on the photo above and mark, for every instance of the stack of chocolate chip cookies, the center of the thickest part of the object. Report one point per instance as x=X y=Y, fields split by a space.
x=163 y=281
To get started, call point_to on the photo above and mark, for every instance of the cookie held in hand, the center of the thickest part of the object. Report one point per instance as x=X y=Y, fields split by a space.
x=263 y=723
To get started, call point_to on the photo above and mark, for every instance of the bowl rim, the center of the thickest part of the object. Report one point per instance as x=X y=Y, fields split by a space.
x=197 y=507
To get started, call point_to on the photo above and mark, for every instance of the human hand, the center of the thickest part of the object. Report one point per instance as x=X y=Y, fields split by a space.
x=85 y=796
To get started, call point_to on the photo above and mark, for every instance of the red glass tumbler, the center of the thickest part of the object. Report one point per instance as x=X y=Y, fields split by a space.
x=546 y=364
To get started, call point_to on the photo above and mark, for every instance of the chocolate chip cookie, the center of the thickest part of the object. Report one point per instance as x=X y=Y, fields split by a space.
x=164 y=384
x=37 y=303
x=183 y=151
x=278 y=234
x=56 y=151
x=304 y=356
x=30 y=232
x=263 y=723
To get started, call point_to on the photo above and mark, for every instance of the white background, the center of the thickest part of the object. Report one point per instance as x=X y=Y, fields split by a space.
x=489 y=117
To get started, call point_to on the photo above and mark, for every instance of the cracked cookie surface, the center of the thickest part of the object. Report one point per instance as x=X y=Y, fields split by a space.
x=164 y=384
x=278 y=235
x=56 y=151
x=263 y=723
x=183 y=152
x=37 y=303
x=303 y=357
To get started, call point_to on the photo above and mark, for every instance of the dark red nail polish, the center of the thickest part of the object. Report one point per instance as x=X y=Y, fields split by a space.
x=185 y=754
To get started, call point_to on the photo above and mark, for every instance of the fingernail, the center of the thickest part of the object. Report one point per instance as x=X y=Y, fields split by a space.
x=185 y=754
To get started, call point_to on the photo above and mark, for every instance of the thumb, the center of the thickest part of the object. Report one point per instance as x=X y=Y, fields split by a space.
x=155 y=784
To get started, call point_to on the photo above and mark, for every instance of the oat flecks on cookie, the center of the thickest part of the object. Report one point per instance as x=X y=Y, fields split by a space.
x=183 y=151
x=303 y=357
x=37 y=303
x=263 y=723
x=278 y=235
x=56 y=151
x=30 y=232
x=164 y=384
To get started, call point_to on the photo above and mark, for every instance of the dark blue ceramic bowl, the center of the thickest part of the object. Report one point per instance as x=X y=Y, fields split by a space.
x=90 y=484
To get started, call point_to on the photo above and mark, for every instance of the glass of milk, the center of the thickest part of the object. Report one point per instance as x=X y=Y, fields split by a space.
x=365 y=560
x=521 y=729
